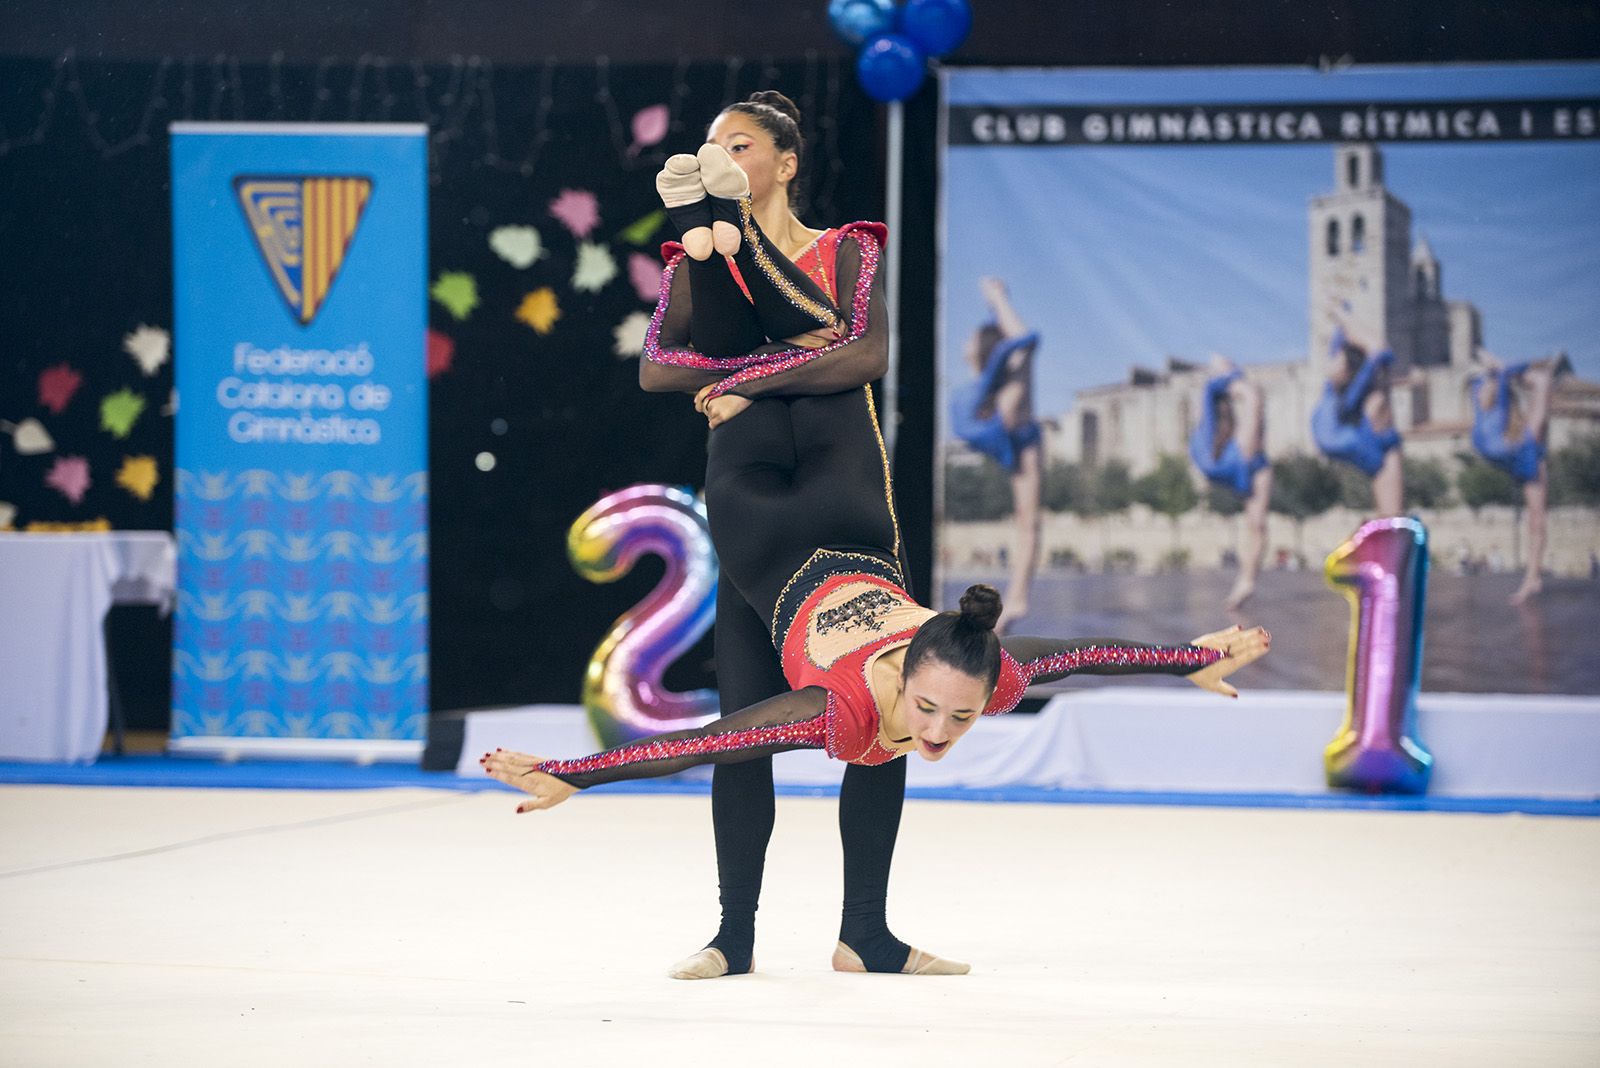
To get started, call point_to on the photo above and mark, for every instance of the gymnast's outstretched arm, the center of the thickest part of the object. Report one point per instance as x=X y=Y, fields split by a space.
x=796 y=720
x=1206 y=661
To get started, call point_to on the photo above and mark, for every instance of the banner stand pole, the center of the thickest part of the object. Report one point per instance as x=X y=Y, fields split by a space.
x=891 y=218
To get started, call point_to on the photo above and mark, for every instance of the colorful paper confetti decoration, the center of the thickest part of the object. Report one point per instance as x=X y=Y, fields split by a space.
x=520 y=246
x=628 y=335
x=441 y=352
x=139 y=476
x=8 y=512
x=649 y=127
x=594 y=269
x=119 y=411
x=57 y=386
x=577 y=210
x=645 y=274
x=540 y=310
x=640 y=230
x=457 y=291
x=150 y=347
x=69 y=477
x=29 y=437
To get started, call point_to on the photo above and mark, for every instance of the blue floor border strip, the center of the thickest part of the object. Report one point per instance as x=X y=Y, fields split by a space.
x=184 y=772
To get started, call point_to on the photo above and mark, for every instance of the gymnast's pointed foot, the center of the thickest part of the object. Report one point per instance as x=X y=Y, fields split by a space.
x=727 y=185
x=917 y=962
x=684 y=196
x=709 y=963
x=1242 y=591
x=1527 y=591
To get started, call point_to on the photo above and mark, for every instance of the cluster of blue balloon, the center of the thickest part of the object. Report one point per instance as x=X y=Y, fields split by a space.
x=897 y=41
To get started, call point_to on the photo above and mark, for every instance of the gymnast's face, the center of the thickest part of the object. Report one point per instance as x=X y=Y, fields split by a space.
x=753 y=149
x=939 y=705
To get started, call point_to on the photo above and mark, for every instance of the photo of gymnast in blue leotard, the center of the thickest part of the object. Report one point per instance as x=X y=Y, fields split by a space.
x=994 y=415
x=1228 y=446
x=1353 y=421
x=1510 y=424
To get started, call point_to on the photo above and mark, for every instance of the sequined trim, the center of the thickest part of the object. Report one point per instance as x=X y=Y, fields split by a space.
x=825 y=316
x=779 y=362
x=888 y=477
x=790 y=598
x=811 y=733
x=686 y=357
x=1070 y=660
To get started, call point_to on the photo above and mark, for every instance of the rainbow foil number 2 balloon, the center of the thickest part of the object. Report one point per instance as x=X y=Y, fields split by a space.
x=1383 y=570
x=622 y=689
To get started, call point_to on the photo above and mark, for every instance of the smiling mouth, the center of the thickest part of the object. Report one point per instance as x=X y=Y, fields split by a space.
x=934 y=748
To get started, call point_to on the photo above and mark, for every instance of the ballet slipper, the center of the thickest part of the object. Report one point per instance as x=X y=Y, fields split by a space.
x=684 y=196
x=846 y=959
x=709 y=963
x=727 y=184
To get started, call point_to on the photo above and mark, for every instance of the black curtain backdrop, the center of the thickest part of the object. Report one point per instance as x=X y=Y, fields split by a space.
x=85 y=221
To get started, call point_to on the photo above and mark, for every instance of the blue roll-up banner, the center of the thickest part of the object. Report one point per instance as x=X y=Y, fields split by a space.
x=300 y=262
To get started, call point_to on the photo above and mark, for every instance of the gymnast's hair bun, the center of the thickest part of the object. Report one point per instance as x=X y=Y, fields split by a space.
x=980 y=606
x=778 y=102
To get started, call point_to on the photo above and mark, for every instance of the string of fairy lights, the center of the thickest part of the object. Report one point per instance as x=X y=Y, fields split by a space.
x=458 y=100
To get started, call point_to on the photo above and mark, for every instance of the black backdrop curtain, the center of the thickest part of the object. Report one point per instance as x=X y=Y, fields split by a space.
x=85 y=228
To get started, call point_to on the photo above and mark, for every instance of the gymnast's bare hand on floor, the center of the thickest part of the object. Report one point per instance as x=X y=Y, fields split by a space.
x=520 y=770
x=1239 y=647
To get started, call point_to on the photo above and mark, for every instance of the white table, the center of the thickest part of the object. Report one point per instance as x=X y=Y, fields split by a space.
x=55 y=590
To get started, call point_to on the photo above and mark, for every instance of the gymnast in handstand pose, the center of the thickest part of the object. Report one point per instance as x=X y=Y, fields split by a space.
x=1354 y=423
x=1513 y=438
x=1229 y=447
x=994 y=414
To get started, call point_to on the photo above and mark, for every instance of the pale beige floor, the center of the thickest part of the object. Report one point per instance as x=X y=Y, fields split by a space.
x=420 y=927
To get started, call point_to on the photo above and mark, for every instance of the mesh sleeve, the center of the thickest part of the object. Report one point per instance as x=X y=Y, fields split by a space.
x=1049 y=659
x=796 y=720
x=670 y=364
x=861 y=356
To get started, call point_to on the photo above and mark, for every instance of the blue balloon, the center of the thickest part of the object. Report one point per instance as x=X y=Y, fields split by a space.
x=857 y=20
x=936 y=26
x=890 y=68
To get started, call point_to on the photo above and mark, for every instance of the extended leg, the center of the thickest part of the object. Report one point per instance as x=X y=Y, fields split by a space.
x=870 y=801
x=1535 y=497
x=742 y=806
x=1253 y=547
x=787 y=302
x=1250 y=434
x=1027 y=485
x=722 y=322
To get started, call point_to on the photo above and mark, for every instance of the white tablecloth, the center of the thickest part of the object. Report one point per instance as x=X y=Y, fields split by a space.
x=55 y=590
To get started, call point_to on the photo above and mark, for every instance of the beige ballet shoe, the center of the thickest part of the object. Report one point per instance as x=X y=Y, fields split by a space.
x=709 y=963
x=846 y=959
x=678 y=184
x=726 y=182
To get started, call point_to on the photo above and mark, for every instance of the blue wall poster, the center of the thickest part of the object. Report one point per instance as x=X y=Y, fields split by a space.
x=300 y=261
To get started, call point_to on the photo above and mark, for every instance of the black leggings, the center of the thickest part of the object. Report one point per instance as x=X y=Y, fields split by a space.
x=784 y=477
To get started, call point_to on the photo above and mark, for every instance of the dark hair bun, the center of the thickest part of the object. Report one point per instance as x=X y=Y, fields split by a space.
x=778 y=102
x=980 y=606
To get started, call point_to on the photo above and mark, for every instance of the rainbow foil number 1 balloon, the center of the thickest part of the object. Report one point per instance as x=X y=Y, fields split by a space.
x=622 y=689
x=1383 y=570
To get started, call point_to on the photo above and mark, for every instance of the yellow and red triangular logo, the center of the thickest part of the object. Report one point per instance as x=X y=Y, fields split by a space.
x=303 y=227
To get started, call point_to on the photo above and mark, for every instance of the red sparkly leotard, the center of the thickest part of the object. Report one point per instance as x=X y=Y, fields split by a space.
x=837 y=615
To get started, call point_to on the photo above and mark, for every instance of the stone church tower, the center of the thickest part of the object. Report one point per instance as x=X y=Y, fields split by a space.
x=1360 y=256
